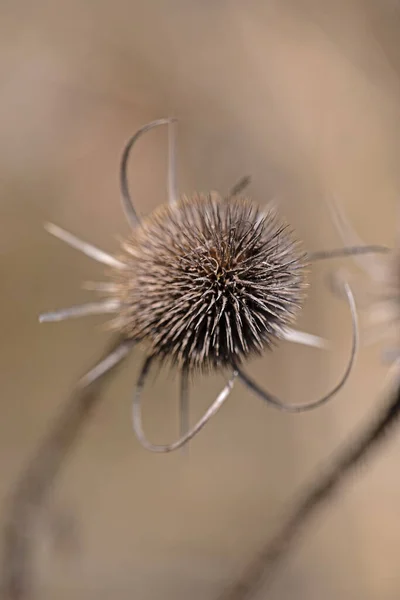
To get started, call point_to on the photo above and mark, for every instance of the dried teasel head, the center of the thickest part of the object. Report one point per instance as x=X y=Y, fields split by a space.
x=209 y=282
x=205 y=283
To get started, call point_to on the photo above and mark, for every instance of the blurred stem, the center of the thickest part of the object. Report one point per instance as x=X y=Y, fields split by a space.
x=35 y=482
x=265 y=565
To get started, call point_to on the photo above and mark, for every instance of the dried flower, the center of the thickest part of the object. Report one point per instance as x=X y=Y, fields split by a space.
x=205 y=283
x=208 y=282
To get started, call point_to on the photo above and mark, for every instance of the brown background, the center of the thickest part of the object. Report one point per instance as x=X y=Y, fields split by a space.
x=302 y=95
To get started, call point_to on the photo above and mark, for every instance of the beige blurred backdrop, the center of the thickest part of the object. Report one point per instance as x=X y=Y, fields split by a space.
x=302 y=95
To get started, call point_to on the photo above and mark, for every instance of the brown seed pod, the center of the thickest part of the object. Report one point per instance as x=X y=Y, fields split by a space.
x=205 y=283
x=209 y=282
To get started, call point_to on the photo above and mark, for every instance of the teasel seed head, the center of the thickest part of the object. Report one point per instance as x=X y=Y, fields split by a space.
x=205 y=282
x=209 y=281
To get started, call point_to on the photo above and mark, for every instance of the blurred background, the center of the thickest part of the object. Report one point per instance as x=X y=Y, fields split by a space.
x=303 y=95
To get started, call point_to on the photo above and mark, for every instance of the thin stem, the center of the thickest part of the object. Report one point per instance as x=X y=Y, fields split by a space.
x=263 y=568
x=347 y=251
x=35 y=482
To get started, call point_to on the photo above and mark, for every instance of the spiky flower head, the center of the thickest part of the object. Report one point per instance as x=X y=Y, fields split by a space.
x=206 y=282
x=209 y=281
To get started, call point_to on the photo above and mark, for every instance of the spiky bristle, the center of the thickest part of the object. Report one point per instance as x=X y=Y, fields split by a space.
x=209 y=281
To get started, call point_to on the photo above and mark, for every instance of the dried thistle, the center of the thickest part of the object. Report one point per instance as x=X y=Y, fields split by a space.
x=208 y=282
x=267 y=241
x=205 y=283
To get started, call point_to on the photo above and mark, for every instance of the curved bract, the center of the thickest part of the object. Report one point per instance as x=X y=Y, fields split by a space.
x=185 y=436
x=297 y=408
x=127 y=204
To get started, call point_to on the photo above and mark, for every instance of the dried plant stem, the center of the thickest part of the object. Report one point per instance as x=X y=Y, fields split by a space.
x=265 y=565
x=36 y=480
